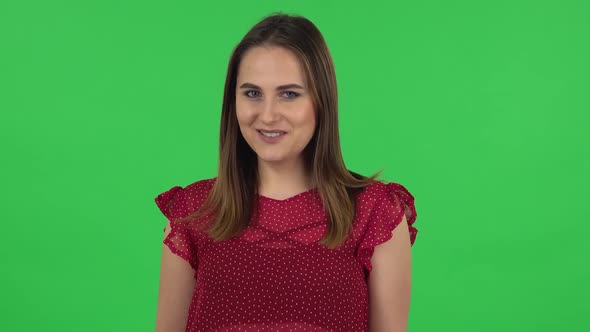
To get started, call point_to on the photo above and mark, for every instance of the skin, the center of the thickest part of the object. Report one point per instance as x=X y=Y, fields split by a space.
x=261 y=103
x=390 y=282
x=175 y=290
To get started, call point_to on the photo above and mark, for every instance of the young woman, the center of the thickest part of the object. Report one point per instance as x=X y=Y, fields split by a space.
x=285 y=237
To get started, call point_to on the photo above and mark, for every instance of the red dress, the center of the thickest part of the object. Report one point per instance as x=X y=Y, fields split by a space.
x=275 y=276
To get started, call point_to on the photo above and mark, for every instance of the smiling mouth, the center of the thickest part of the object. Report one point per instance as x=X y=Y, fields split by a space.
x=272 y=134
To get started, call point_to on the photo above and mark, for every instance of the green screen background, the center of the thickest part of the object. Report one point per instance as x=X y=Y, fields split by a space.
x=479 y=108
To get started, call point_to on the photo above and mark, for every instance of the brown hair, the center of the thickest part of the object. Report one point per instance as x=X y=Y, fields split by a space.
x=233 y=196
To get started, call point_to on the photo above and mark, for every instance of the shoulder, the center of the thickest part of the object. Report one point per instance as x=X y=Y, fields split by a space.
x=387 y=200
x=387 y=205
x=199 y=189
x=379 y=192
x=178 y=201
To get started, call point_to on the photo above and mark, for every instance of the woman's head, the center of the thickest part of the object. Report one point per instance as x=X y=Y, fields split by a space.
x=281 y=49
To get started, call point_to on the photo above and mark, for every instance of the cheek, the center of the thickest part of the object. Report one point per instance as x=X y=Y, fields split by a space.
x=307 y=119
x=301 y=114
x=244 y=118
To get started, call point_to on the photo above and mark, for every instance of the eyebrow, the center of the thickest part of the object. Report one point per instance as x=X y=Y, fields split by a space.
x=280 y=87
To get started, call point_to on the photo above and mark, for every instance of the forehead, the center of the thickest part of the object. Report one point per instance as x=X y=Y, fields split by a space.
x=270 y=65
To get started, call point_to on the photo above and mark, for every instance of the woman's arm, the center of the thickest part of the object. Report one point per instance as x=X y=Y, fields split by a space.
x=175 y=293
x=390 y=282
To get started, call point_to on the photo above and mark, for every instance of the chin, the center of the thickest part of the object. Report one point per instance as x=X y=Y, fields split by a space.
x=270 y=159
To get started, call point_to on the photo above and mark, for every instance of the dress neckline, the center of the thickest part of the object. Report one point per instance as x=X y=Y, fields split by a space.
x=288 y=199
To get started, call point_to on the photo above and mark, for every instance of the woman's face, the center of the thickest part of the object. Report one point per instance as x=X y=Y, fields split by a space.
x=271 y=95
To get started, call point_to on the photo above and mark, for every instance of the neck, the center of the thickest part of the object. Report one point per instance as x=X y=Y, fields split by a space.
x=283 y=178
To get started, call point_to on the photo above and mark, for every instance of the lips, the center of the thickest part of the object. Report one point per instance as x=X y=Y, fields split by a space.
x=271 y=138
x=272 y=131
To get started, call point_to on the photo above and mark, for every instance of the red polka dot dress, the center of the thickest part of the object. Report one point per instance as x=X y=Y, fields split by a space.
x=276 y=276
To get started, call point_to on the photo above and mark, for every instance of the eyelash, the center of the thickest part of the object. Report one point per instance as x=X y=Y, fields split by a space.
x=294 y=94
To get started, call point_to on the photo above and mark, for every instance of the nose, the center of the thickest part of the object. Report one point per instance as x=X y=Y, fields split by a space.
x=270 y=112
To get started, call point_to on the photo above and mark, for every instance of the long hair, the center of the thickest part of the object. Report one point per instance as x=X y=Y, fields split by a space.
x=232 y=199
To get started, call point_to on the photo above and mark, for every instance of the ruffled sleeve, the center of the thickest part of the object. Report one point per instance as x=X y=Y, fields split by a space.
x=173 y=205
x=394 y=200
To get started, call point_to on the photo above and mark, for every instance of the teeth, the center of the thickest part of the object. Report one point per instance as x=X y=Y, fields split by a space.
x=270 y=134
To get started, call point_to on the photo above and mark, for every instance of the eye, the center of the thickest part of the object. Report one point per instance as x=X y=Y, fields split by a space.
x=248 y=95
x=293 y=94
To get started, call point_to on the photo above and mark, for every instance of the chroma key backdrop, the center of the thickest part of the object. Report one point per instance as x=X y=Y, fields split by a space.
x=479 y=108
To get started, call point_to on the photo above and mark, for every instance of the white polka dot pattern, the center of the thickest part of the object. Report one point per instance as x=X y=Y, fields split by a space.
x=394 y=200
x=275 y=276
